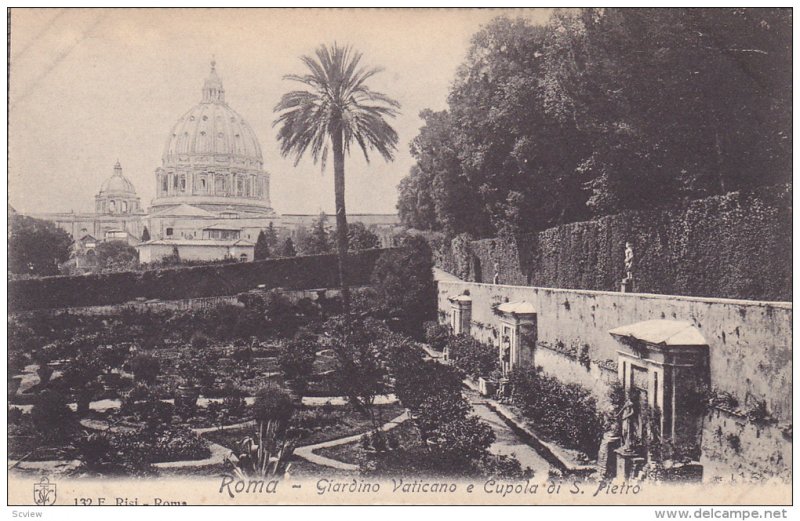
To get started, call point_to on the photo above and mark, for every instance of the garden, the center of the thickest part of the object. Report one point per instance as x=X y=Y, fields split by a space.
x=243 y=387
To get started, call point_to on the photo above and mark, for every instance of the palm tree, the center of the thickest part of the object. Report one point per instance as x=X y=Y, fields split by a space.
x=336 y=109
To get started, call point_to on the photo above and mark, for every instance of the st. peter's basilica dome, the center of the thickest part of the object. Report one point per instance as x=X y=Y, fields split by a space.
x=212 y=159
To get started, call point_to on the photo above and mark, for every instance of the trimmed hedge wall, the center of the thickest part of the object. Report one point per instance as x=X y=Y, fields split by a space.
x=317 y=271
x=733 y=246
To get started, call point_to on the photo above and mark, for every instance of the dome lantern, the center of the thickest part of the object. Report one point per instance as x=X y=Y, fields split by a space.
x=213 y=92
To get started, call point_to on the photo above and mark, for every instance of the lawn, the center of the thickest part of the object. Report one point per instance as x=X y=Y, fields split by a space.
x=406 y=433
x=314 y=425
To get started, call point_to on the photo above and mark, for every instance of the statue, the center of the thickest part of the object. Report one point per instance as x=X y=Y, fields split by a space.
x=628 y=262
x=496 y=272
x=628 y=416
x=506 y=354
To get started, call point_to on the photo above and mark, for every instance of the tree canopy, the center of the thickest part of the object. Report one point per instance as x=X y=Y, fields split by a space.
x=600 y=111
x=35 y=246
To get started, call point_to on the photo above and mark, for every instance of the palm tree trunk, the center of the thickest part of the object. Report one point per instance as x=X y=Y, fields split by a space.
x=341 y=216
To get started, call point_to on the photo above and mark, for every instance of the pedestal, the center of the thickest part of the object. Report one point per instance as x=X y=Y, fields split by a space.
x=505 y=388
x=625 y=463
x=626 y=286
x=606 y=457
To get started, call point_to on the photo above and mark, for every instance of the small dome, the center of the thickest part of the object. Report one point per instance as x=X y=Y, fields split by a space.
x=117 y=183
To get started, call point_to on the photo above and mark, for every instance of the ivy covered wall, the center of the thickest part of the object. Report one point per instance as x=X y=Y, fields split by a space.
x=732 y=246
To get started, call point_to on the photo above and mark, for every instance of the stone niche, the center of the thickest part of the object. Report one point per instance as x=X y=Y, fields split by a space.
x=663 y=364
x=518 y=334
x=460 y=314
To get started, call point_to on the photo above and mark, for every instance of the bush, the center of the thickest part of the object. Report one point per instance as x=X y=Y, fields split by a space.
x=471 y=356
x=200 y=340
x=296 y=359
x=145 y=405
x=51 y=416
x=564 y=413
x=145 y=368
x=436 y=335
x=273 y=405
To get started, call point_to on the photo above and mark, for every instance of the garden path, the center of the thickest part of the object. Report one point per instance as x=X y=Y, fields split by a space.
x=311 y=401
x=507 y=443
x=307 y=451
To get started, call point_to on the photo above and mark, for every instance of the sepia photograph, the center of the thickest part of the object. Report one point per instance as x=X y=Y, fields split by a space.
x=349 y=256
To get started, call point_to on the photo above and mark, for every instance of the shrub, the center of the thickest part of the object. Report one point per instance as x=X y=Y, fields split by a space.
x=564 y=413
x=471 y=356
x=296 y=359
x=14 y=415
x=145 y=368
x=436 y=335
x=242 y=355
x=438 y=410
x=51 y=416
x=273 y=405
x=464 y=439
x=200 y=340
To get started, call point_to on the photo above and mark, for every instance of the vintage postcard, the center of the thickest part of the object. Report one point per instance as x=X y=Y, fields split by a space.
x=400 y=257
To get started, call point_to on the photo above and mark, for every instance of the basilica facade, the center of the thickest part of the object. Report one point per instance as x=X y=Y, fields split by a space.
x=212 y=193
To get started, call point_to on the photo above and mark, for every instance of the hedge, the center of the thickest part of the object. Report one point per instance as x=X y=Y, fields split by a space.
x=309 y=272
x=732 y=246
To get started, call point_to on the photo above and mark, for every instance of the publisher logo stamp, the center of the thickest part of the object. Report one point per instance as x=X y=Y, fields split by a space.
x=44 y=492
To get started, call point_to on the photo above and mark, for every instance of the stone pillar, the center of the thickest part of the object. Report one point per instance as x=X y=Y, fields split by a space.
x=518 y=335
x=460 y=314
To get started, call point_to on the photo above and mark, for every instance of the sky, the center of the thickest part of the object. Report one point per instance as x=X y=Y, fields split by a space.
x=89 y=87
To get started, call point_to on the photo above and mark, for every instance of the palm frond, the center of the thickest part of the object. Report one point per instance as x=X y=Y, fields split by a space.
x=337 y=97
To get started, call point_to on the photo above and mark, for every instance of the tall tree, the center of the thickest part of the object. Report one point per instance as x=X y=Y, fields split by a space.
x=361 y=238
x=676 y=103
x=145 y=234
x=317 y=241
x=262 y=249
x=36 y=247
x=336 y=109
x=288 y=250
x=116 y=256
x=272 y=236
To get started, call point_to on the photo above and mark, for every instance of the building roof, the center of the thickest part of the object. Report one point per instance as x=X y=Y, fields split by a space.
x=665 y=332
x=521 y=307
x=197 y=242
x=223 y=226
x=183 y=210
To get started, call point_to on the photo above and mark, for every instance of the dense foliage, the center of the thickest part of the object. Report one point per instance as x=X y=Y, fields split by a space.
x=471 y=356
x=404 y=285
x=564 y=413
x=179 y=283
x=601 y=111
x=35 y=247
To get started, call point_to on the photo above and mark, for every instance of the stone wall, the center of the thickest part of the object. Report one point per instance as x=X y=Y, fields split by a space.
x=732 y=246
x=749 y=341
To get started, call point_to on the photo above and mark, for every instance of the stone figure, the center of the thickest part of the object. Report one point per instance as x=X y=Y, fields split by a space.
x=628 y=420
x=506 y=354
x=497 y=272
x=628 y=261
